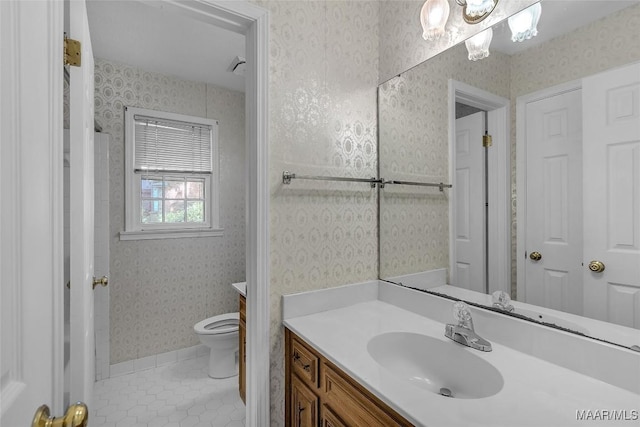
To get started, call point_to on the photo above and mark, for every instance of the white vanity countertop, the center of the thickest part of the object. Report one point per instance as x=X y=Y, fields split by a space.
x=241 y=287
x=535 y=392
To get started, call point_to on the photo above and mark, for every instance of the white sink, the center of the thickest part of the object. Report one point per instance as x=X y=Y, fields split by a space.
x=436 y=364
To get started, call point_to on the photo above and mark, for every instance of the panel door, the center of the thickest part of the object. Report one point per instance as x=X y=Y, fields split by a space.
x=612 y=195
x=81 y=87
x=470 y=203
x=31 y=212
x=554 y=202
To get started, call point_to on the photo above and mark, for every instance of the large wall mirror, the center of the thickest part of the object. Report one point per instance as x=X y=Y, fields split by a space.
x=548 y=211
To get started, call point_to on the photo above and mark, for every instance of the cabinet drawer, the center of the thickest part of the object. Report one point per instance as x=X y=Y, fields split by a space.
x=305 y=363
x=242 y=308
x=355 y=407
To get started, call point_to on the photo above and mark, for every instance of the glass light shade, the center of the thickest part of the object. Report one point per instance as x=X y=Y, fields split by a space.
x=479 y=7
x=478 y=45
x=433 y=16
x=524 y=24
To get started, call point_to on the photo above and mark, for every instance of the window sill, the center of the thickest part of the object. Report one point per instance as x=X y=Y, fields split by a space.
x=171 y=234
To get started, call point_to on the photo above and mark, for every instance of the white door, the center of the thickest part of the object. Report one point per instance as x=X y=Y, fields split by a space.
x=31 y=212
x=612 y=195
x=469 y=204
x=81 y=94
x=554 y=202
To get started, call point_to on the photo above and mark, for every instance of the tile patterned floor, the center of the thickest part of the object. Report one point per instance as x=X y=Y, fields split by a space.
x=176 y=395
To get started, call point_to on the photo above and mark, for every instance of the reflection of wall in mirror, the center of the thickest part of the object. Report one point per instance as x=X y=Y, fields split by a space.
x=413 y=127
x=414 y=146
x=593 y=48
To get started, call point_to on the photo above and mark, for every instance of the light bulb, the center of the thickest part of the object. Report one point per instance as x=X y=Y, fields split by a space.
x=524 y=24
x=433 y=17
x=478 y=45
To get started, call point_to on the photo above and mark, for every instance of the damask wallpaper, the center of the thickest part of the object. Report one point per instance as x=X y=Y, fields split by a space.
x=401 y=44
x=322 y=89
x=414 y=146
x=160 y=288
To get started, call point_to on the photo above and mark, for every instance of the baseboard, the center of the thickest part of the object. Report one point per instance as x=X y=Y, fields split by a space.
x=162 y=359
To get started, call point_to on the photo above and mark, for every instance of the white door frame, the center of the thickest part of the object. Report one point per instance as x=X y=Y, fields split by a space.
x=499 y=176
x=252 y=21
x=521 y=174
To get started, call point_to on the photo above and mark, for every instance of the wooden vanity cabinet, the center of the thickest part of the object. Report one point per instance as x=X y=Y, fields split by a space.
x=320 y=394
x=242 y=348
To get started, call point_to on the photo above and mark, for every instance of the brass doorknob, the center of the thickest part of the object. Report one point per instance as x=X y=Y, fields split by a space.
x=77 y=415
x=104 y=281
x=535 y=256
x=596 y=266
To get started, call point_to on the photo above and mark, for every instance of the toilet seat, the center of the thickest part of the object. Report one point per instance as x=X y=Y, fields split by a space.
x=218 y=325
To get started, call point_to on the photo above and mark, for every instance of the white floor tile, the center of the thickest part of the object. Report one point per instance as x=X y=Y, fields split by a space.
x=179 y=395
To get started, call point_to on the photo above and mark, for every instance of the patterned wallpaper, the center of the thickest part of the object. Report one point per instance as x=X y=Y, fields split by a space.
x=160 y=288
x=401 y=43
x=323 y=78
x=414 y=146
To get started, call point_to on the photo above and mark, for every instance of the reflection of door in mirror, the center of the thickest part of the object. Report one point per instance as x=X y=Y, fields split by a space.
x=479 y=201
x=553 y=139
x=612 y=174
x=469 y=266
x=583 y=160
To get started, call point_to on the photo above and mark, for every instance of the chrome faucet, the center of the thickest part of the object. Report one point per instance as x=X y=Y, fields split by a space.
x=463 y=332
x=502 y=301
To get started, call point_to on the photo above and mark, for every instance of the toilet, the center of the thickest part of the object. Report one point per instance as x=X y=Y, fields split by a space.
x=220 y=334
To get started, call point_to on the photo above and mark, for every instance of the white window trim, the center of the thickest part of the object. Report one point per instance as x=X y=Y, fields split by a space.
x=134 y=229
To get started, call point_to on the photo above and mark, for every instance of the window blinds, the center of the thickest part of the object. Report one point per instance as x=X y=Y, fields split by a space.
x=170 y=146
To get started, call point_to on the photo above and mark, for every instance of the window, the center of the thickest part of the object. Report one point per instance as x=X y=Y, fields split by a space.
x=171 y=177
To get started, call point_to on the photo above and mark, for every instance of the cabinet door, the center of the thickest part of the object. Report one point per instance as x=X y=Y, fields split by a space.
x=242 y=359
x=329 y=419
x=304 y=405
x=352 y=404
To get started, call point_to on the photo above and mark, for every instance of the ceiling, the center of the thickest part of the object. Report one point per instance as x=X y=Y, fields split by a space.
x=148 y=37
x=558 y=17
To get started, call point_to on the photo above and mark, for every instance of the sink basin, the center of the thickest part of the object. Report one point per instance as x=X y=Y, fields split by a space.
x=540 y=317
x=436 y=365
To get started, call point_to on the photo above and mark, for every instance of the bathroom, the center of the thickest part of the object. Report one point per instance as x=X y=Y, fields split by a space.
x=322 y=103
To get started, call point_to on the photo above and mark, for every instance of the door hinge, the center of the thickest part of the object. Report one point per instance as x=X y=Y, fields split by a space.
x=486 y=140
x=72 y=52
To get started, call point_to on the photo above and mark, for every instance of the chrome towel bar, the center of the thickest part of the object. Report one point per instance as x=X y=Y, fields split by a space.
x=288 y=176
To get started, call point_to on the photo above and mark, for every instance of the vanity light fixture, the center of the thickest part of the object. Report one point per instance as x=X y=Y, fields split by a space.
x=435 y=13
x=433 y=17
x=475 y=11
x=524 y=24
x=478 y=45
